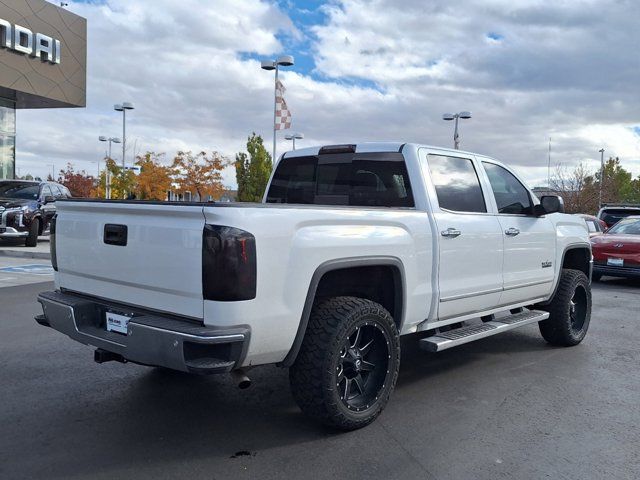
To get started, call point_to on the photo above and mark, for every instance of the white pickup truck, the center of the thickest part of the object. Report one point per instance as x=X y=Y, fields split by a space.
x=353 y=246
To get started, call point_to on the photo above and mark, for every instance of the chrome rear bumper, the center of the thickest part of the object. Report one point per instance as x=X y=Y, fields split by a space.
x=151 y=339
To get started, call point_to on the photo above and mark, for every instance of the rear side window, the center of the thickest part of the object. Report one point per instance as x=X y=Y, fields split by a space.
x=592 y=226
x=361 y=179
x=511 y=196
x=457 y=184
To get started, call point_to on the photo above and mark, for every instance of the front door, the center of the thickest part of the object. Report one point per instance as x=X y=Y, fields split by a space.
x=469 y=238
x=529 y=241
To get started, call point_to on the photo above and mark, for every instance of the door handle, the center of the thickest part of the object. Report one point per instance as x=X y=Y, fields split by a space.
x=512 y=232
x=451 y=232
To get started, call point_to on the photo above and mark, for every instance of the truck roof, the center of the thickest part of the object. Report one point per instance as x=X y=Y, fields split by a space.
x=367 y=147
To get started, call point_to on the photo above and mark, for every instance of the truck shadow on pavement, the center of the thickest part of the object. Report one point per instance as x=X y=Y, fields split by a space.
x=160 y=415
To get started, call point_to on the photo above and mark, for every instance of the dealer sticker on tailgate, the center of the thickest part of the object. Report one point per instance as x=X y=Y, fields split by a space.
x=117 y=323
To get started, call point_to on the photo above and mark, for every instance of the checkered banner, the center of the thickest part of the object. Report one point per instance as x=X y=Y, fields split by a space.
x=283 y=115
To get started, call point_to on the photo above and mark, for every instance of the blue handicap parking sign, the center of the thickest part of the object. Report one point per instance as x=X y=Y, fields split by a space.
x=32 y=269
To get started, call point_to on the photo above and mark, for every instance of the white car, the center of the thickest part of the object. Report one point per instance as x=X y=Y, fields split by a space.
x=352 y=246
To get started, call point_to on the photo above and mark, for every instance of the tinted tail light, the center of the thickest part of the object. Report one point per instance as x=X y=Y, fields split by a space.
x=228 y=264
x=52 y=243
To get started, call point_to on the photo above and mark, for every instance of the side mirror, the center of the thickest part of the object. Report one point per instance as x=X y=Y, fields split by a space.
x=49 y=199
x=550 y=204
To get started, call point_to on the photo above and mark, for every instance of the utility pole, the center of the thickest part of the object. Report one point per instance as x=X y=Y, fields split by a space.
x=601 y=177
x=549 y=167
x=283 y=61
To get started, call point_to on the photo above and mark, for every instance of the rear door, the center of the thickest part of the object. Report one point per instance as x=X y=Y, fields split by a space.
x=142 y=254
x=470 y=238
x=529 y=241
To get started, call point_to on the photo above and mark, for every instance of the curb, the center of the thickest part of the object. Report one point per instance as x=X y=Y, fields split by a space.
x=25 y=254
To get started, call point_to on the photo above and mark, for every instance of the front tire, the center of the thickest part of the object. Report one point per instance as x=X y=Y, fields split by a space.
x=348 y=363
x=34 y=230
x=570 y=310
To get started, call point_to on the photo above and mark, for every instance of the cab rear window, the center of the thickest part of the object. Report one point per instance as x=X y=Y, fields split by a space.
x=360 y=179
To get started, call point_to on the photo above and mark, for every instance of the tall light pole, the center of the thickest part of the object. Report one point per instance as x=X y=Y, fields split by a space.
x=107 y=189
x=53 y=171
x=456 y=116
x=283 y=61
x=123 y=107
x=293 y=137
x=601 y=177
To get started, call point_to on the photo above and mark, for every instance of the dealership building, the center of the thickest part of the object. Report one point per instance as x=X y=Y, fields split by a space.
x=43 y=58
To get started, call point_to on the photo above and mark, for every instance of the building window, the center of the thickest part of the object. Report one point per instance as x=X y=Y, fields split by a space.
x=7 y=138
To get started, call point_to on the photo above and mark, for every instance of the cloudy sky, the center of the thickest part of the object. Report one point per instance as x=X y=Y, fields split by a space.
x=365 y=70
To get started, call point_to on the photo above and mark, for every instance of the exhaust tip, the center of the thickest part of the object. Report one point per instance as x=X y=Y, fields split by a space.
x=241 y=379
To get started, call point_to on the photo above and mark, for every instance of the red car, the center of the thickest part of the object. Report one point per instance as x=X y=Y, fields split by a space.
x=617 y=251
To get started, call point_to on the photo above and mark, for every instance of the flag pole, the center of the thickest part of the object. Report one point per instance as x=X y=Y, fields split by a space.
x=275 y=107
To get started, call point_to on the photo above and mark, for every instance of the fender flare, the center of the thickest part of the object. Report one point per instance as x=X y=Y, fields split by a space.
x=573 y=246
x=339 y=264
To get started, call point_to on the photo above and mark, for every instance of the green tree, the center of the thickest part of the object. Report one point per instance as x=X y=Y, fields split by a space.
x=123 y=182
x=618 y=185
x=253 y=170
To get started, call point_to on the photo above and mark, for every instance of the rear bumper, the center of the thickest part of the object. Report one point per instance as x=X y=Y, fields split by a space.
x=151 y=339
x=628 y=272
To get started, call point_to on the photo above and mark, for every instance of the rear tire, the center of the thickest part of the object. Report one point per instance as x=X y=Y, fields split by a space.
x=348 y=363
x=34 y=229
x=570 y=310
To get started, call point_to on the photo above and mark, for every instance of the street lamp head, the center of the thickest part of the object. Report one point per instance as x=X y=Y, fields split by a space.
x=285 y=60
x=115 y=140
x=289 y=137
x=102 y=138
x=298 y=136
x=448 y=116
x=465 y=115
x=118 y=107
x=127 y=106
x=268 y=65
x=601 y=150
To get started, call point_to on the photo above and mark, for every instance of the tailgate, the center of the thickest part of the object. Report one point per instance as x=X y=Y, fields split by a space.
x=159 y=268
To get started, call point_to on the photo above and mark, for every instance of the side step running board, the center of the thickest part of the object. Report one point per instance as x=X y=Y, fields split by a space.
x=458 y=336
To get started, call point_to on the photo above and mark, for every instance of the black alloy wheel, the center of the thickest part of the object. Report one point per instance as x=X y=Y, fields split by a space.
x=363 y=366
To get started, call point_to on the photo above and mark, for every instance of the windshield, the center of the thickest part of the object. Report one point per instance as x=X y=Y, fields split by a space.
x=25 y=191
x=626 y=226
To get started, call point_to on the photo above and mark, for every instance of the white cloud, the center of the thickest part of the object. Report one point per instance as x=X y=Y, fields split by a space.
x=527 y=70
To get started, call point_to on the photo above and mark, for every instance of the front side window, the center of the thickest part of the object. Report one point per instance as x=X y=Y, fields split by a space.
x=46 y=191
x=457 y=184
x=511 y=196
x=361 y=179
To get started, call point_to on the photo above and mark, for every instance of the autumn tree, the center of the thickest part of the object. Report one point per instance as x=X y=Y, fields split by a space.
x=123 y=181
x=79 y=183
x=200 y=174
x=253 y=170
x=154 y=179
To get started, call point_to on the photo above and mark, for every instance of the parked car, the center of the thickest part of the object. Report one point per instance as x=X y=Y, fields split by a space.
x=617 y=252
x=353 y=246
x=594 y=224
x=27 y=207
x=613 y=213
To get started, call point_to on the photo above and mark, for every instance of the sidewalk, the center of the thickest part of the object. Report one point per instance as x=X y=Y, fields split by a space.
x=15 y=248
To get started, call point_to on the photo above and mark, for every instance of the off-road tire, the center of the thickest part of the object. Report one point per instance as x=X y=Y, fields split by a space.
x=561 y=328
x=314 y=374
x=34 y=229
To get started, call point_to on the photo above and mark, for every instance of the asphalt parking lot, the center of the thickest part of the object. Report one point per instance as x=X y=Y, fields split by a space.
x=504 y=407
